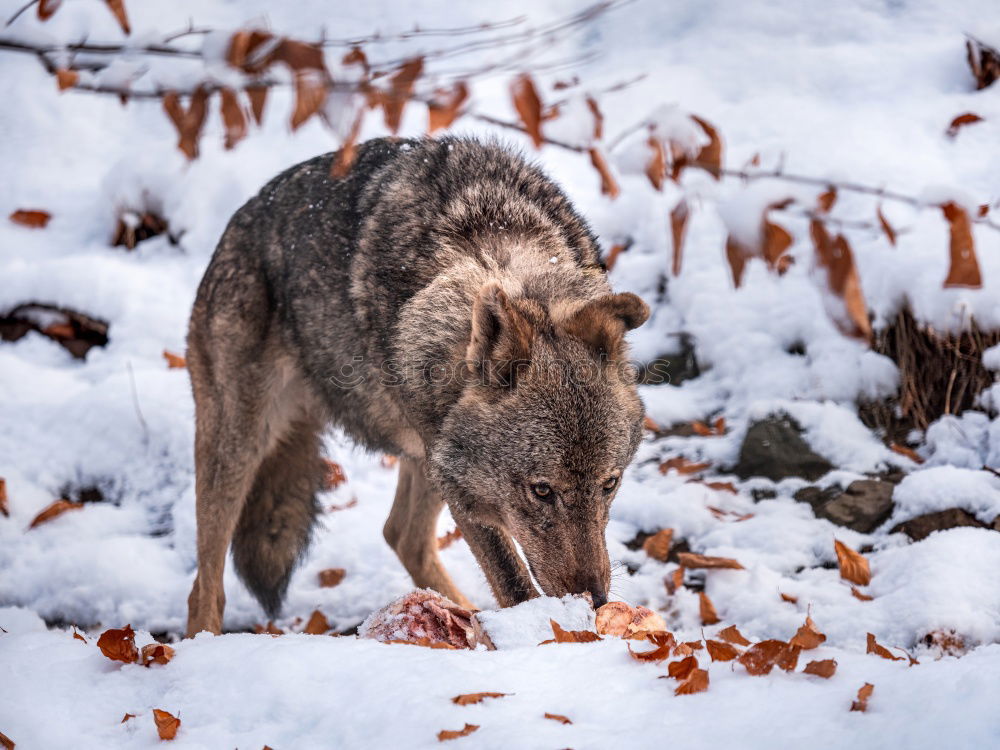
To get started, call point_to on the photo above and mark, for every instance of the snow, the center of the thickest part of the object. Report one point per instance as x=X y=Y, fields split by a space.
x=864 y=93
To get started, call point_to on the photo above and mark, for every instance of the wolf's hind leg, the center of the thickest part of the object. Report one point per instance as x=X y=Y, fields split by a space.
x=410 y=531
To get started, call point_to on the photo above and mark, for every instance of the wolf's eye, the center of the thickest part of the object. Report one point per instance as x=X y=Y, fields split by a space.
x=542 y=490
x=610 y=483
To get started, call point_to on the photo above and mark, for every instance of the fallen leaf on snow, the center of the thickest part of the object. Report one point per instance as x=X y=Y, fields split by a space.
x=824 y=668
x=32 y=218
x=682 y=466
x=3 y=498
x=960 y=122
x=6 y=742
x=570 y=636
x=657 y=546
x=664 y=643
x=454 y=734
x=317 y=625
x=789 y=598
x=55 y=510
x=874 y=647
x=119 y=645
x=335 y=475
x=706 y=609
x=697 y=682
x=858 y=595
x=681 y=670
x=908 y=452
x=733 y=635
x=853 y=565
x=174 y=361
x=446 y=540
x=693 y=560
x=331 y=577
x=156 y=653
x=762 y=657
x=721 y=651
x=166 y=724
x=558 y=717
x=269 y=629
x=808 y=636
x=126 y=717
x=864 y=693
x=468 y=699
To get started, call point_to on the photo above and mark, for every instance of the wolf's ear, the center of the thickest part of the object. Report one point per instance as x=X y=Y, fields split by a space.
x=501 y=338
x=602 y=322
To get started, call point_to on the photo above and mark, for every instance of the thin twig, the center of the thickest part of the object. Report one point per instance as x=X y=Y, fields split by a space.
x=135 y=402
x=19 y=11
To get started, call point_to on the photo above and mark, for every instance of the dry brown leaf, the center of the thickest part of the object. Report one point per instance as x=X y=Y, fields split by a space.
x=678 y=225
x=258 y=98
x=853 y=565
x=528 y=106
x=156 y=653
x=824 y=668
x=697 y=682
x=964 y=268
x=733 y=635
x=674 y=581
x=468 y=699
x=6 y=742
x=349 y=149
x=842 y=276
x=558 y=717
x=317 y=624
x=188 y=122
x=731 y=489
x=3 y=498
x=570 y=636
x=960 y=122
x=269 y=629
x=657 y=546
x=166 y=724
x=442 y=109
x=310 y=96
x=389 y=461
x=77 y=636
x=908 y=452
x=46 y=8
x=67 y=79
x=233 y=118
x=762 y=657
x=776 y=241
x=53 y=511
x=890 y=233
x=126 y=717
x=426 y=643
x=595 y=110
x=119 y=645
x=174 y=361
x=808 y=636
x=656 y=168
x=609 y=186
x=736 y=255
x=446 y=540
x=721 y=651
x=683 y=466
x=400 y=90
x=609 y=263
x=864 y=693
x=117 y=8
x=874 y=647
x=335 y=475
x=331 y=577
x=692 y=560
x=681 y=670
x=826 y=200
x=244 y=48
x=663 y=641
x=32 y=218
x=454 y=734
x=789 y=598
x=710 y=156
x=858 y=595
x=706 y=609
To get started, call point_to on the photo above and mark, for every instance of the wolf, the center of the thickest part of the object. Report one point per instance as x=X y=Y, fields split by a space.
x=442 y=302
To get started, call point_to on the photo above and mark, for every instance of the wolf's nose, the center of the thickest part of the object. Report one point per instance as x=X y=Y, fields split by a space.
x=599 y=597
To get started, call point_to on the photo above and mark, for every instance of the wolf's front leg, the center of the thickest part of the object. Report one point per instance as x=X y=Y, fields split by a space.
x=410 y=531
x=505 y=570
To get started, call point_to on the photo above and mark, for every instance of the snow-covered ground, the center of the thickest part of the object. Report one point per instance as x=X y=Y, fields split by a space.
x=857 y=90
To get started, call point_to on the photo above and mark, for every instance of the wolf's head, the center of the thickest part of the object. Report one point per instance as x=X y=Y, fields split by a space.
x=545 y=427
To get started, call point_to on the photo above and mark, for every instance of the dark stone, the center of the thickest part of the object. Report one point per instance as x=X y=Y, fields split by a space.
x=763 y=493
x=817 y=497
x=774 y=448
x=922 y=526
x=673 y=367
x=864 y=506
